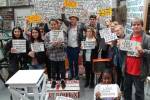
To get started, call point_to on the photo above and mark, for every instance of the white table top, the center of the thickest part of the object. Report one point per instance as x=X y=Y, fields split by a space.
x=25 y=77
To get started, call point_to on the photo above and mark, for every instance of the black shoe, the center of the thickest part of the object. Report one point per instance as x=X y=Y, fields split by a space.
x=91 y=85
x=53 y=84
x=63 y=84
x=70 y=77
x=77 y=77
x=86 y=84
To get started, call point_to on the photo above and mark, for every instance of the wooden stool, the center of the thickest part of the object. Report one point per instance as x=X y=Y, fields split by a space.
x=99 y=65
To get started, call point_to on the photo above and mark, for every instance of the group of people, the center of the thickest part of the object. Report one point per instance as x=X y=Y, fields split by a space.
x=125 y=69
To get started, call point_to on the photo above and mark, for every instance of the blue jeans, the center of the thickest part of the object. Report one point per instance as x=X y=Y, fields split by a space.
x=73 y=55
x=129 y=80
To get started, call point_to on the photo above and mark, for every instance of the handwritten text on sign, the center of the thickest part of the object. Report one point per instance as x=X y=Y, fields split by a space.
x=107 y=35
x=129 y=45
x=63 y=98
x=19 y=45
x=110 y=90
x=105 y=12
x=56 y=35
x=37 y=47
x=34 y=18
x=88 y=44
x=70 y=3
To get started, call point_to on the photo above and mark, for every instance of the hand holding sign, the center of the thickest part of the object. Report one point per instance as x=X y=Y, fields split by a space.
x=140 y=50
x=13 y=50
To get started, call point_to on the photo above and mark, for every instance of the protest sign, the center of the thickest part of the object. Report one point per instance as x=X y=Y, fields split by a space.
x=110 y=90
x=105 y=12
x=19 y=45
x=34 y=19
x=88 y=44
x=107 y=35
x=130 y=46
x=37 y=47
x=56 y=35
x=63 y=98
x=70 y=3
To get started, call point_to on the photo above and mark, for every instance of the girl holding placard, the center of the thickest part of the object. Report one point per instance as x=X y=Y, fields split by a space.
x=17 y=49
x=56 y=43
x=89 y=53
x=37 y=52
x=106 y=90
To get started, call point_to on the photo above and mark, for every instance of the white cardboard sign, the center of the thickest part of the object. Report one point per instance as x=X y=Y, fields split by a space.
x=56 y=35
x=19 y=45
x=37 y=47
x=108 y=90
x=129 y=45
x=107 y=35
x=88 y=44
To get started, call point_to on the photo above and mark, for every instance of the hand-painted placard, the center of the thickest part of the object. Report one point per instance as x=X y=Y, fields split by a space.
x=37 y=47
x=88 y=44
x=108 y=35
x=19 y=45
x=70 y=3
x=56 y=35
x=129 y=45
x=110 y=90
x=34 y=19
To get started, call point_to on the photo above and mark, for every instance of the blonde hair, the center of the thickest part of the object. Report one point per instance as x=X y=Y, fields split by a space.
x=93 y=31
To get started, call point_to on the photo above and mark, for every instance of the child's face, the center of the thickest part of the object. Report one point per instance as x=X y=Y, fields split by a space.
x=17 y=33
x=89 y=33
x=54 y=25
x=106 y=78
x=35 y=34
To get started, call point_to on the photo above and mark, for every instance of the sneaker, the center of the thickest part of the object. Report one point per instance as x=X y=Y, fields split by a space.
x=63 y=84
x=53 y=84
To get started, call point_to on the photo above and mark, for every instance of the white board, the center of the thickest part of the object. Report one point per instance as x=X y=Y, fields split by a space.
x=56 y=35
x=37 y=47
x=19 y=45
x=88 y=44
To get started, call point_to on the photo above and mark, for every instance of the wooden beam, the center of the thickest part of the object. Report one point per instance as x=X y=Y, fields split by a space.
x=146 y=3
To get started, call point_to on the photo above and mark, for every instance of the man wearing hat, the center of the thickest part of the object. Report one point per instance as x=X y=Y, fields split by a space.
x=74 y=34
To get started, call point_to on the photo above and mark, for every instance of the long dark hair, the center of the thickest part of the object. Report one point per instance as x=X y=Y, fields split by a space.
x=39 y=34
x=21 y=33
x=109 y=71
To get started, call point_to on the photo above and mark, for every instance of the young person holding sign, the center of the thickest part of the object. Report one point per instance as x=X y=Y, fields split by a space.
x=106 y=90
x=17 y=49
x=89 y=53
x=136 y=67
x=56 y=43
x=37 y=53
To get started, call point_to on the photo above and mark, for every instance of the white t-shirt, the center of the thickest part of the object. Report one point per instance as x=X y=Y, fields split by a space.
x=72 y=37
x=88 y=52
x=98 y=88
